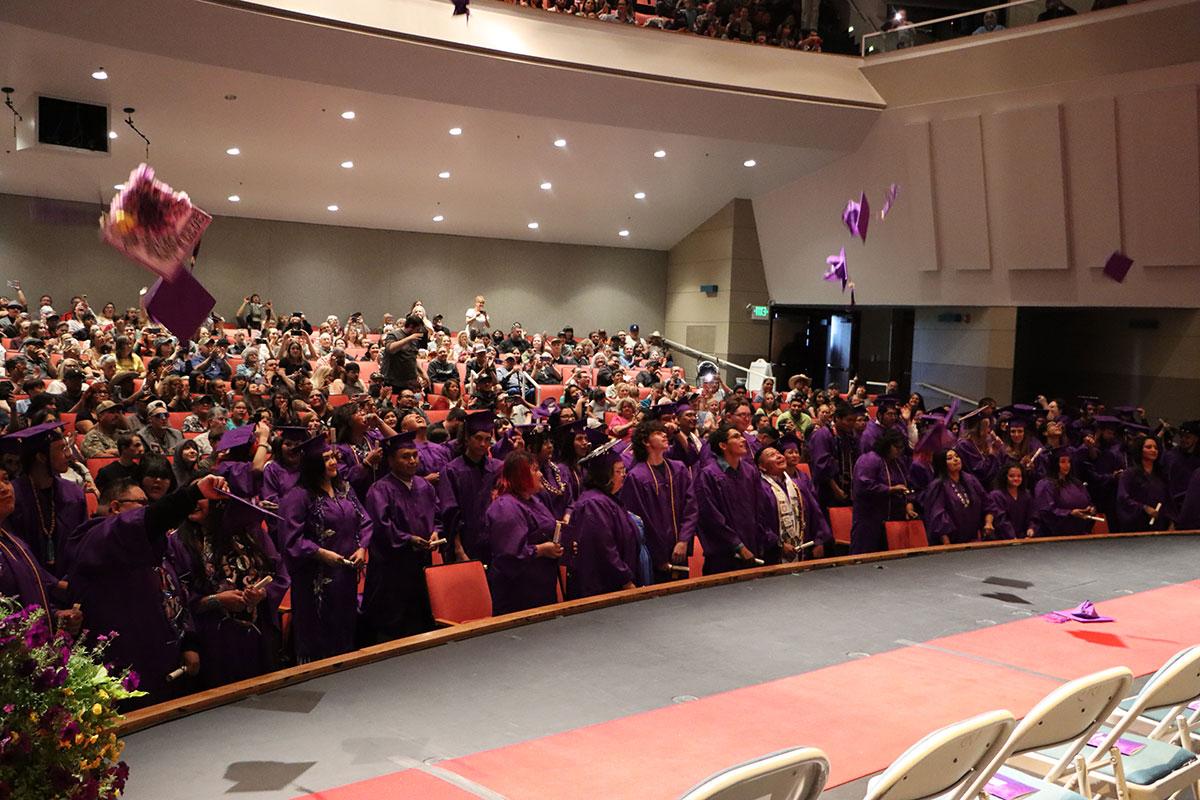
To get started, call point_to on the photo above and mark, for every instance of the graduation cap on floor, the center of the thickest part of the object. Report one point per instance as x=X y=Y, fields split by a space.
x=33 y=438
x=1084 y=612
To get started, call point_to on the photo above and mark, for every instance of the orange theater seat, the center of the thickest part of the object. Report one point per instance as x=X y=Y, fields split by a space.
x=696 y=559
x=336 y=400
x=904 y=535
x=175 y=419
x=1100 y=527
x=94 y=465
x=549 y=390
x=435 y=415
x=458 y=592
x=806 y=470
x=873 y=411
x=840 y=519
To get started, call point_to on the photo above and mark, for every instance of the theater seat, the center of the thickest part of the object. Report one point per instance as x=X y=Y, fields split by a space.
x=904 y=535
x=175 y=419
x=696 y=559
x=806 y=470
x=436 y=416
x=438 y=402
x=840 y=519
x=1100 y=527
x=94 y=465
x=336 y=400
x=549 y=390
x=458 y=592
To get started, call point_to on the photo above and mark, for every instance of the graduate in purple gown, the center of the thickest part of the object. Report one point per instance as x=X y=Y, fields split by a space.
x=1102 y=460
x=1144 y=502
x=1009 y=509
x=1054 y=437
x=520 y=531
x=727 y=502
x=242 y=455
x=282 y=472
x=887 y=417
x=48 y=508
x=1020 y=445
x=571 y=443
x=1189 y=514
x=792 y=450
x=556 y=492
x=1061 y=503
x=954 y=502
x=465 y=490
x=980 y=449
x=880 y=493
x=832 y=451
x=325 y=534
x=659 y=491
x=1183 y=460
x=788 y=511
x=600 y=543
x=118 y=573
x=236 y=613
x=738 y=413
x=358 y=434
x=686 y=442
x=405 y=517
x=431 y=456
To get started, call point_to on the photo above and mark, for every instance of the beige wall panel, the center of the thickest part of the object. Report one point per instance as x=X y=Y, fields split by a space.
x=1094 y=206
x=915 y=197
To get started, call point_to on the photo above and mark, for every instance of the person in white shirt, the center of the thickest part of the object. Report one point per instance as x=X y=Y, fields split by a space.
x=477 y=318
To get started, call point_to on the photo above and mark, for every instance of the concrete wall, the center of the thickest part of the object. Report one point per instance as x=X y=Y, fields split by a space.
x=972 y=356
x=331 y=270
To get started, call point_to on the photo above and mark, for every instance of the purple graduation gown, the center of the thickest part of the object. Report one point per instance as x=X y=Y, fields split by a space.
x=686 y=453
x=277 y=480
x=1011 y=517
x=1101 y=475
x=600 y=546
x=245 y=482
x=233 y=647
x=831 y=458
x=119 y=574
x=1189 y=514
x=561 y=496
x=519 y=579
x=947 y=515
x=664 y=499
x=1135 y=490
x=1179 y=466
x=431 y=457
x=1052 y=507
x=727 y=503
x=395 y=600
x=464 y=493
x=873 y=504
x=324 y=597
x=816 y=527
x=983 y=467
x=21 y=576
x=706 y=453
x=45 y=541
x=353 y=470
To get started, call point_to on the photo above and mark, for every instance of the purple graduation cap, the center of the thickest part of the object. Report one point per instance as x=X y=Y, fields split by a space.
x=664 y=410
x=857 y=216
x=1084 y=612
x=315 y=447
x=238 y=437
x=604 y=454
x=1117 y=266
x=33 y=438
x=837 y=269
x=292 y=433
x=480 y=421
x=597 y=436
x=406 y=440
x=241 y=501
x=788 y=442
x=462 y=7
x=889 y=199
x=180 y=305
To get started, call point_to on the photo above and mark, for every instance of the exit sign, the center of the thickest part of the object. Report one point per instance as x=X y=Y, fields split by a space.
x=760 y=312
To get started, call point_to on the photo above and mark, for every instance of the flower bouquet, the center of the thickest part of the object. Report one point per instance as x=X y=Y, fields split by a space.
x=58 y=716
x=152 y=224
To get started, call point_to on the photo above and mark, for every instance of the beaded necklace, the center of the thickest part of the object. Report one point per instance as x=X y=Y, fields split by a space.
x=670 y=492
x=559 y=486
x=47 y=530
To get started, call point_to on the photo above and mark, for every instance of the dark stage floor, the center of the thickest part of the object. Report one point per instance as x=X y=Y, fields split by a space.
x=496 y=690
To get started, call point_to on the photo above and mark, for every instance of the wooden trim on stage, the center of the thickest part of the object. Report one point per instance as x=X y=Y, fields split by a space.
x=231 y=693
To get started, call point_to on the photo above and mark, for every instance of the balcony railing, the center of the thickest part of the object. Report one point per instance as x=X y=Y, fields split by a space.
x=977 y=22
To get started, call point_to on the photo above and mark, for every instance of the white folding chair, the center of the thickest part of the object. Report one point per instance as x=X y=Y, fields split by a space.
x=795 y=774
x=1067 y=718
x=944 y=763
x=1162 y=722
x=1153 y=770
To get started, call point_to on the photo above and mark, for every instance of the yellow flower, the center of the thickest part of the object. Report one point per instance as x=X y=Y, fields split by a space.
x=103 y=695
x=14 y=736
x=33 y=717
x=92 y=739
x=69 y=692
x=78 y=738
x=97 y=709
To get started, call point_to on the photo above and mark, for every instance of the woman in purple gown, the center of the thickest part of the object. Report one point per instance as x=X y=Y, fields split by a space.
x=237 y=618
x=571 y=443
x=600 y=542
x=1061 y=503
x=465 y=490
x=1009 y=509
x=556 y=492
x=358 y=436
x=981 y=450
x=520 y=531
x=1144 y=501
x=281 y=474
x=954 y=502
x=880 y=492
x=325 y=535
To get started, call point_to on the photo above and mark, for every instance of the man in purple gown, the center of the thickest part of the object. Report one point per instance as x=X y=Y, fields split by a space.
x=659 y=491
x=48 y=508
x=1102 y=460
x=887 y=417
x=431 y=456
x=788 y=510
x=832 y=452
x=727 y=498
x=242 y=455
x=686 y=443
x=737 y=413
x=1182 y=461
x=600 y=543
x=465 y=490
x=118 y=574
x=404 y=512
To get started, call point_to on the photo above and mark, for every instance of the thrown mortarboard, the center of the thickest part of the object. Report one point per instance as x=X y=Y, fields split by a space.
x=461 y=7
x=406 y=440
x=479 y=422
x=34 y=437
x=1117 y=266
x=241 y=503
x=889 y=199
x=857 y=215
x=837 y=269
x=233 y=439
x=603 y=454
x=181 y=304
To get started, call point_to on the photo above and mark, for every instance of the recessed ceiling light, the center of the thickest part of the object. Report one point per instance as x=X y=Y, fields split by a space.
x=100 y=74
x=547 y=186
x=348 y=115
x=749 y=162
x=233 y=198
x=624 y=234
x=533 y=226
x=233 y=151
x=331 y=208
x=639 y=195
x=438 y=218
x=118 y=186
x=660 y=153
x=456 y=131
x=444 y=175
x=112 y=134
x=347 y=165
x=560 y=142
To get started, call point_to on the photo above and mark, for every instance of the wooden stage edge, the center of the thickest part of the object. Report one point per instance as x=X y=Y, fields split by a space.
x=231 y=693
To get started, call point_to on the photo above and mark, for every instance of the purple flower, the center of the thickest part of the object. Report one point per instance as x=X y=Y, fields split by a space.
x=130 y=682
x=9 y=708
x=50 y=678
x=120 y=774
x=68 y=731
x=37 y=634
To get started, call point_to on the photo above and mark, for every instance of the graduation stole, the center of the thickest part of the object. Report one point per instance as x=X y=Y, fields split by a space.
x=790 y=507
